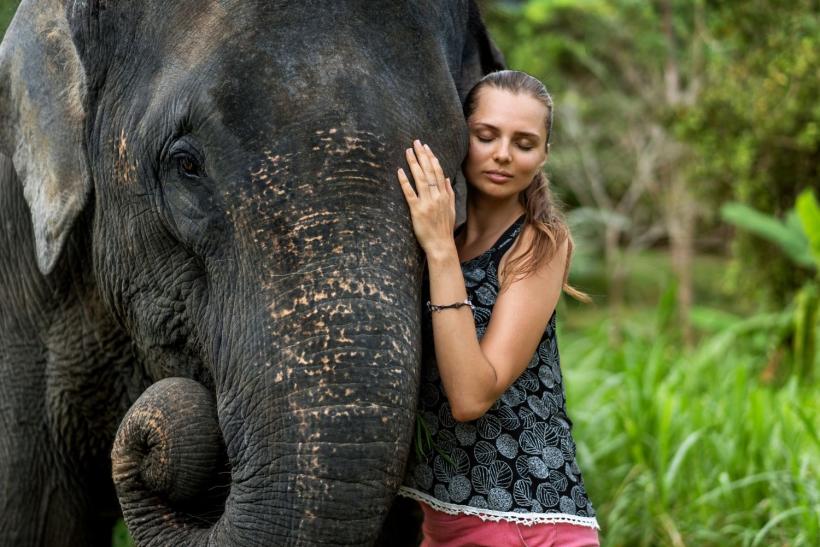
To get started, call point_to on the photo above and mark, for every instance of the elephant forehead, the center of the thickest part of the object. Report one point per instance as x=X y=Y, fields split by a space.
x=299 y=188
x=186 y=56
x=321 y=157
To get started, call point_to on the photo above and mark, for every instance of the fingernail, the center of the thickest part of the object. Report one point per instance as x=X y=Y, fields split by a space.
x=426 y=147
x=417 y=142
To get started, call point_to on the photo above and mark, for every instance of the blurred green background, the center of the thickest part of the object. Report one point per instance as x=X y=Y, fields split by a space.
x=686 y=154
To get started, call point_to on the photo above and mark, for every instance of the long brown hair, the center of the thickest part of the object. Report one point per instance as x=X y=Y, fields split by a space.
x=542 y=211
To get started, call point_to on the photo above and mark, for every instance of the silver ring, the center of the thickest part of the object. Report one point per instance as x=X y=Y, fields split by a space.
x=432 y=185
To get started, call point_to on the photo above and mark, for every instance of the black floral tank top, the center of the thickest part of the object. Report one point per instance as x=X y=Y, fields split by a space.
x=517 y=462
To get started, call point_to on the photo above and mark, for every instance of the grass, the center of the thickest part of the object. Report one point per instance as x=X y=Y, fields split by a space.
x=120 y=536
x=689 y=447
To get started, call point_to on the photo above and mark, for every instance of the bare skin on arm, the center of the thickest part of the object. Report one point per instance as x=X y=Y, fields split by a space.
x=475 y=374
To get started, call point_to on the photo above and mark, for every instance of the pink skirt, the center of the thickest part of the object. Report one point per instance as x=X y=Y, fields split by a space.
x=444 y=530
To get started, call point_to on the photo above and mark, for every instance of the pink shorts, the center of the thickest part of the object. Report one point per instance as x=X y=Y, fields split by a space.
x=443 y=530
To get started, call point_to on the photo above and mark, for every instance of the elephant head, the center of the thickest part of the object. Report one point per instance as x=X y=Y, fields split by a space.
x=231 y=166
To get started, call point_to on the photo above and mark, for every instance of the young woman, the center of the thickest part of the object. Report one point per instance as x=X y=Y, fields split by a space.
x=502 y=468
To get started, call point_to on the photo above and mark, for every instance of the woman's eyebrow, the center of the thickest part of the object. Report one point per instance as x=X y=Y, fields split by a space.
x=494 y=128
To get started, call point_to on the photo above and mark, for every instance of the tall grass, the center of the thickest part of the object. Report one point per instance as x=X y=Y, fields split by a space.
x=688 y=447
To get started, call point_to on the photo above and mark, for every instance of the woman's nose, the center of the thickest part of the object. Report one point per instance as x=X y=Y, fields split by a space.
x=501 y=154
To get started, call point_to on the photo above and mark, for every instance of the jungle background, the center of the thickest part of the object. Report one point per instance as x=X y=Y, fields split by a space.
x=685 y=150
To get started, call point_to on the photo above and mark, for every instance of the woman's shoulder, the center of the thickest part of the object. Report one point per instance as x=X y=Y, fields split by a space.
x=523 y=250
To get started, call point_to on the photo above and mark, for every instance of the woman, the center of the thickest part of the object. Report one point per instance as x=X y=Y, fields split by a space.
x=502 y=470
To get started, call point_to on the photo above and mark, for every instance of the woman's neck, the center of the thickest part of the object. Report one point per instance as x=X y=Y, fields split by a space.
x=488 y=218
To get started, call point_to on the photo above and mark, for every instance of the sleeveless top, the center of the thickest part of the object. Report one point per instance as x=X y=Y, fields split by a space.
x=517 y=462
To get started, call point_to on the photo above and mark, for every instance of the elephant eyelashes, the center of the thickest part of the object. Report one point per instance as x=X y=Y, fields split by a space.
x=185 y=153
x=188 y=167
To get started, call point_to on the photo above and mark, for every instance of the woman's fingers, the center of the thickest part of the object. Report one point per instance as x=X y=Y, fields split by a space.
x=426 y=160
x=451 y=195
x=448 y=185
x=422 y=187
x=426 y=165
x=427 y=171
x=438 y=172
x=406 y=187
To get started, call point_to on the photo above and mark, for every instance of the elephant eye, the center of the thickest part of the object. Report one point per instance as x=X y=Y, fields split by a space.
x=188 y=166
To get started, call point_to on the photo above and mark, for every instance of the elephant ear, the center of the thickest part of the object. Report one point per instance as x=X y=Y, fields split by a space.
x=42 y=98
x=480 y=55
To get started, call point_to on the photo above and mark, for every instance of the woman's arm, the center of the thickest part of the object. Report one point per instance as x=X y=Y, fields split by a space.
x=475 y=374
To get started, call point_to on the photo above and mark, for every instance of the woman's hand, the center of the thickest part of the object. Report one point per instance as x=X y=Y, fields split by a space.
x=433 y=203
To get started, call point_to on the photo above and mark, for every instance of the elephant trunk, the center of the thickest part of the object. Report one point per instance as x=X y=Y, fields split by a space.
x=316 y=441
x=167 y=452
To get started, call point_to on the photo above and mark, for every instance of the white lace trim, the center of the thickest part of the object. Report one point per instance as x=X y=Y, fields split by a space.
x=527 y=519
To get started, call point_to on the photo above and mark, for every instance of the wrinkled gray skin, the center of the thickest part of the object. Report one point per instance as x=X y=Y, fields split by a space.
x=199 y=196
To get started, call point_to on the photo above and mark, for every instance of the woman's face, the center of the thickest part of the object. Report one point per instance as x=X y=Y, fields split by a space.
x=508 y=139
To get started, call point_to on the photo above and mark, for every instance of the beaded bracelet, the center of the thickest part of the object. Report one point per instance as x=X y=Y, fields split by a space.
x=432 y=307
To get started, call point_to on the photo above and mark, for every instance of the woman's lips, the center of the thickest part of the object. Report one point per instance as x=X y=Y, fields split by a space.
x=498 y=178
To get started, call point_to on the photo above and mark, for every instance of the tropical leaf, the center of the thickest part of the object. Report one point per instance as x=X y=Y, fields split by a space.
x=792 y=241
x=806 y=320
x=808 y=211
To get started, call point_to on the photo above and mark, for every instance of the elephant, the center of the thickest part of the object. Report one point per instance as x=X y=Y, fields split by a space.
x=209 y=285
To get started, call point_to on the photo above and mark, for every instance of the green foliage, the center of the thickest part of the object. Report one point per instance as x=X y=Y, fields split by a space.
x=804 y=329
x=755 y=127
x=799 y=238
x=7 y=9
x=745 y=129
x=788 y=235
x=808 y=211
x=687 y=447
x=120 y=536
x=423 y=444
